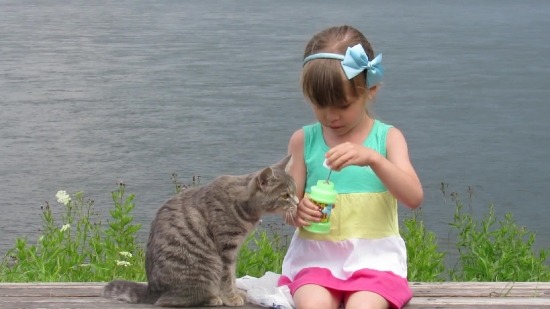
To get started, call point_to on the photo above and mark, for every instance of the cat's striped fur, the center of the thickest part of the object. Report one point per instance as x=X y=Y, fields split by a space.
x=195 y=237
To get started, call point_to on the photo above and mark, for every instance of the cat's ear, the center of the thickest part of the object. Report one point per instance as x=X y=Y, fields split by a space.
x=263 y=178
x=285 y=164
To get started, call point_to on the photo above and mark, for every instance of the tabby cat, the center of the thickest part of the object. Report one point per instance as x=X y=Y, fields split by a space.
x=196 y=235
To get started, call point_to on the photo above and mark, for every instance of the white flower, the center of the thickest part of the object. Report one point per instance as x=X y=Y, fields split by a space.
x=63 y=197
x=122 y=263
x=125 y=254
x=65 y=227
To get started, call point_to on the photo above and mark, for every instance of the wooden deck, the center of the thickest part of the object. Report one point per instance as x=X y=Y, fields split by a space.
x=427 y=295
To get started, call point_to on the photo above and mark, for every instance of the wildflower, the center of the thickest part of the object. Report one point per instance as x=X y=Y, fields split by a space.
x=125 y=254
x=123 y=263
x=65 y=227
x=63 y=197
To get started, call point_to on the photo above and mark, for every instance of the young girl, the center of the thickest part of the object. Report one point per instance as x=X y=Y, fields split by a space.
x=362 y=261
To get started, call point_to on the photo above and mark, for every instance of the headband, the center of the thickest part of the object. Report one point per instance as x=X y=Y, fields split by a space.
x=354 y=62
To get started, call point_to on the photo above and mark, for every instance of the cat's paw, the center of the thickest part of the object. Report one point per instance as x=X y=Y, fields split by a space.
x=242 y=293
x=176 y=301
x=214 y=302
x=233 y=299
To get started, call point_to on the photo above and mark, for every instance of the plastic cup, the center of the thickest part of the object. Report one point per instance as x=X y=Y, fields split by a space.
x=324 y=196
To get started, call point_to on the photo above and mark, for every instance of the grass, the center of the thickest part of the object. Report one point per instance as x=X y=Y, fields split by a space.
x=76 y=246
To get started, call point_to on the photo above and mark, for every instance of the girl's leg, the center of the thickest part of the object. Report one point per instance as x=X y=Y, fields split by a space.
x=312 y=296
x=365 y=300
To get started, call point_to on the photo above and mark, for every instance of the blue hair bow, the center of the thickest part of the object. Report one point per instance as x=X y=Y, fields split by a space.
x=354 y=62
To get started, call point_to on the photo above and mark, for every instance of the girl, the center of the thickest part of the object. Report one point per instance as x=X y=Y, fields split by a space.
x=361 y=262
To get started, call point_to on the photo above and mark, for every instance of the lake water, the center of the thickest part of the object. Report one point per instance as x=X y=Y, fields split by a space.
x=98 y=92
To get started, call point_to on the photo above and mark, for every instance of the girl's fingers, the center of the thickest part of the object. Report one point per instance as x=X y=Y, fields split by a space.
x=336 y=158
x=302 y=222
x=308 y=212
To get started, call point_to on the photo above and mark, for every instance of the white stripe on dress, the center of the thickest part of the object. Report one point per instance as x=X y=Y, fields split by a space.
x=345 y=257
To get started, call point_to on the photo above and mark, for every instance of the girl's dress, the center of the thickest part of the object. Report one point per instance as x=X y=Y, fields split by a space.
x=363 y=251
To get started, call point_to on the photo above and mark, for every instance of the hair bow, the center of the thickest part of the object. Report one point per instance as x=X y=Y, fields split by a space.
x=356 y=61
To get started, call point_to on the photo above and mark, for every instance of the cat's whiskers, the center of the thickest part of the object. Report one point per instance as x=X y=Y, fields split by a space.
x=291 y=214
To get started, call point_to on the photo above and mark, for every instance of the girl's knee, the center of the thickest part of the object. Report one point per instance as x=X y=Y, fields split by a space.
x=365 y=299
x=313 y=303
x=312 y=296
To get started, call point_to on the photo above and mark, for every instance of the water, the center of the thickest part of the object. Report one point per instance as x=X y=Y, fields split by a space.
x=133 y=91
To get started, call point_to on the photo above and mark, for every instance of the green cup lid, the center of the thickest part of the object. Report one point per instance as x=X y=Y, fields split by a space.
x=324 y=192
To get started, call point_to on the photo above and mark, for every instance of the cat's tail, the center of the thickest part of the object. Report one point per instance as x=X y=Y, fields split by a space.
x=130 y=292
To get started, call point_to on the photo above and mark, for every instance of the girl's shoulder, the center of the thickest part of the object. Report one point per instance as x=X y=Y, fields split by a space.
x=387 y=131
x=296 y=142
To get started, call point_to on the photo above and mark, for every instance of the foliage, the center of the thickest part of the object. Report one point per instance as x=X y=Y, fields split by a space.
x=490 y=252
x=425 y=261
x=262 y=251
x=75 y=246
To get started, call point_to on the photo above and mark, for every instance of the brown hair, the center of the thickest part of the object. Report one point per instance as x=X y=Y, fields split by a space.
x=323 y=80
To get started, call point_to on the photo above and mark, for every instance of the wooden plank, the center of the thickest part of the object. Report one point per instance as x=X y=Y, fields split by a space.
x=443 y=289
x=482 y=289
x=64 y=303
x=77 y=303
x=415 y=303
x=68 y=304
x=478 y=302
x=51 y=289
x=495 y=295
x=63 y=295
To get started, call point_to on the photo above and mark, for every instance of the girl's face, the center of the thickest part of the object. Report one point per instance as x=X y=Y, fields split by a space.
x=341 y=120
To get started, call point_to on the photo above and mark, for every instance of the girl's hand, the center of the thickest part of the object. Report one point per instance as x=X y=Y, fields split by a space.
x=307 y=212
x=347 y=154
x=394 y=170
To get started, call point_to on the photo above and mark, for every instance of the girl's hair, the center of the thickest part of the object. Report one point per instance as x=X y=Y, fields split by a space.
x=323 y=80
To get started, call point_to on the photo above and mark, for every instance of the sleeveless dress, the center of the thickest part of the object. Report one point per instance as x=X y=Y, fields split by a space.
x=364 y=250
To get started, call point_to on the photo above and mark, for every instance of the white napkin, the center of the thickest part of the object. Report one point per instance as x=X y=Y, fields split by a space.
x=264 y=291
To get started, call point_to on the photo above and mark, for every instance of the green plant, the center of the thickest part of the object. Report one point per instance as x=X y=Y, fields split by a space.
x=489 y=252
x=75 y=247
x=425 y=261
x=118 y=252
x=262 y=251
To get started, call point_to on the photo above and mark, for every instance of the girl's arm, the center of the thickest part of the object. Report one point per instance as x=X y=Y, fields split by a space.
x=298 y=166
x=397 y=172
x=306 y=211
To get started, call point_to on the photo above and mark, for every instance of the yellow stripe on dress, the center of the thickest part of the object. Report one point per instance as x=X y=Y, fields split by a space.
x=360 y=216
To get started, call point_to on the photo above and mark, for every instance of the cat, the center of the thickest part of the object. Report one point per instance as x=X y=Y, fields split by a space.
x=196 y=235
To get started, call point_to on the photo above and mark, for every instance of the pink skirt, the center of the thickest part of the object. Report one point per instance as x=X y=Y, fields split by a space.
x=393 y=288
